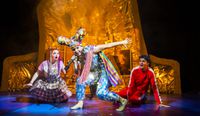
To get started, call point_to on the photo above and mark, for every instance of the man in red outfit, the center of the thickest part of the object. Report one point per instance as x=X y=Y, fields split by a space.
x=141 y=77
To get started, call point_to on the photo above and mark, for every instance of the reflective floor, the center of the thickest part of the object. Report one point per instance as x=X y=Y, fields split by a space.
x=25 y=105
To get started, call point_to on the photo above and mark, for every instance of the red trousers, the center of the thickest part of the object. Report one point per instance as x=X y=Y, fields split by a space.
x=134 y=97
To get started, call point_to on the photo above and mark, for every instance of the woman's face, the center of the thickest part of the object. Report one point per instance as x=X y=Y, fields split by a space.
x=55 y=55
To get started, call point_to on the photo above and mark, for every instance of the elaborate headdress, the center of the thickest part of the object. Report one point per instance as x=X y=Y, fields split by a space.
x=74 y=41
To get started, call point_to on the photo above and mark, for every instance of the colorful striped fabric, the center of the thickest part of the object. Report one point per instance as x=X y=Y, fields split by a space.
x=112 y=73
x=87 y=66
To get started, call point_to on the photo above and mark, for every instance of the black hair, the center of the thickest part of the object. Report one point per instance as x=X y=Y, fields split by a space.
x=146 y=57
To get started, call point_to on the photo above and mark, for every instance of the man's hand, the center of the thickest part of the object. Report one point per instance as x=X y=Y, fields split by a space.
x=157 y=107
x=163 y=105
x=127 y=41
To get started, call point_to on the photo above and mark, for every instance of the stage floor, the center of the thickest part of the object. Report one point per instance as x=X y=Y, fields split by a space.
x=24 y=105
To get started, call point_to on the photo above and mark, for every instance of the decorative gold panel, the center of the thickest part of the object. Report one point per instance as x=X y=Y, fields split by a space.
x=17 y=71
x=20 y=74
x=165 y=78
x=167 y=72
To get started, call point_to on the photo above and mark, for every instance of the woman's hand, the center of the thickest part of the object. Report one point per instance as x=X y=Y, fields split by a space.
x=28 y=85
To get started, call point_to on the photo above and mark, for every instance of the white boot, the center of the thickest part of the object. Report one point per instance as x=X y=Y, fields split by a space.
x=123 y=104
x=79 y=105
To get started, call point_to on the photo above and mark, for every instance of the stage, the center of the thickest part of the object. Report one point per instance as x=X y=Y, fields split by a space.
x=22 y=104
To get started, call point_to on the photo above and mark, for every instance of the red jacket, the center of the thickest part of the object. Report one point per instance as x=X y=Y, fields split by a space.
x=139 y=82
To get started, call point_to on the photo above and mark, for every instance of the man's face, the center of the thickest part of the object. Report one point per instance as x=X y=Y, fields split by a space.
x=55 y=54
x=143 y=63
x=78 y=50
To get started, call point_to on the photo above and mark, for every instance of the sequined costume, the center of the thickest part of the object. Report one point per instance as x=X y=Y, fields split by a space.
x=98 y=74
x=97 y=69
x=50 y=88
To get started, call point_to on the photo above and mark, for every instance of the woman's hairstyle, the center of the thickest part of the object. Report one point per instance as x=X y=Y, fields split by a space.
x=49 y=52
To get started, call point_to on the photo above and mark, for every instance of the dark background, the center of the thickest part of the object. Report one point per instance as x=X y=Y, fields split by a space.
x=170 y=29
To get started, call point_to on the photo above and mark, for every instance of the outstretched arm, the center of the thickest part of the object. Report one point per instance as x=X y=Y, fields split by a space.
x=99 y=48
x=156 y=92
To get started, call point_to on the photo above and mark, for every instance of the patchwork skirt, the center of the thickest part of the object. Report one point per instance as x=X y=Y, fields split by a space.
x=51 y=89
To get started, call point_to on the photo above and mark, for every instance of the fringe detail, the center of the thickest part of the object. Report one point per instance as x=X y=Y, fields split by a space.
x=87 y=66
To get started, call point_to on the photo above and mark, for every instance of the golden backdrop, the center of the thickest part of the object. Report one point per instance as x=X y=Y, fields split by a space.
x=105 y=21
